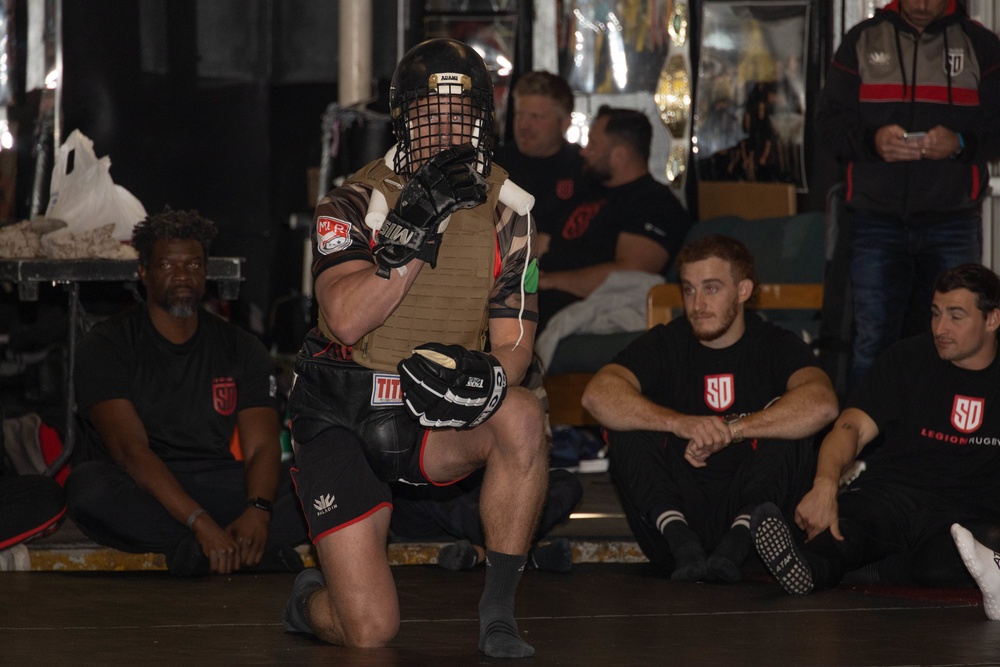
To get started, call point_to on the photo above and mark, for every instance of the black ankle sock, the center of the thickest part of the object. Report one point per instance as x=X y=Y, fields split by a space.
x=460 y=555
x=188 y=559
x=687 y=551
x=726 y=562
x=281 y=558
x=554 y=555
x=498 y=636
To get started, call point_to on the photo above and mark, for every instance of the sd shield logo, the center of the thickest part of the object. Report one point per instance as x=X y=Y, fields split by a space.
x=564 y=188
x=967 y=413
x=224 y=395
x=954 y=61
x=719 y=391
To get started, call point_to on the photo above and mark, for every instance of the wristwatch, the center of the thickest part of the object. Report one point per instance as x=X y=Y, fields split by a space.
x=734 y=428
x=260 y=503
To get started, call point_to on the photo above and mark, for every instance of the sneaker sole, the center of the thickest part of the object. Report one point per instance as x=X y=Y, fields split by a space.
x=777 y=549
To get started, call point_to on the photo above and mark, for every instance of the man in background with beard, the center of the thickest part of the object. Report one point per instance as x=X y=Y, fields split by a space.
x=161 y=389
x=628 y=222
x=710 y=416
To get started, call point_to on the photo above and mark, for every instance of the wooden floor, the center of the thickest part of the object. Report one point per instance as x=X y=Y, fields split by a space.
x=600 y=614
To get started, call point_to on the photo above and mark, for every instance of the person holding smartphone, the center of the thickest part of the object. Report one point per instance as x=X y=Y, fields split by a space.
x=911 y=108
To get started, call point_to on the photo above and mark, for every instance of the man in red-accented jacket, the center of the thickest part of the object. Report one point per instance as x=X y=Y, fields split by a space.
x=911 y=108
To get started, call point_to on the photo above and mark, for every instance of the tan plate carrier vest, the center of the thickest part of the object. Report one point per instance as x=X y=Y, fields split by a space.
x=447 y=304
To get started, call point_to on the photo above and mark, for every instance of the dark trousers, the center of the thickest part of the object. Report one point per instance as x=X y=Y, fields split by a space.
x=110 y=508
x=893 y=270
x=905 y=530
x=30 y=505
x=651 y=477
x=443 y=511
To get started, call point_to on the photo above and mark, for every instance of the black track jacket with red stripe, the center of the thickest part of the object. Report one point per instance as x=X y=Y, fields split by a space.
x=885 y=72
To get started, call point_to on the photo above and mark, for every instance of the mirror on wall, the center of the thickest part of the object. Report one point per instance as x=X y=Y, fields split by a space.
x=750 y=115
x=30 y=78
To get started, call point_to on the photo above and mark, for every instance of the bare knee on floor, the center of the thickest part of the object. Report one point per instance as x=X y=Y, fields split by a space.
x=371 y=630
x=362 y=617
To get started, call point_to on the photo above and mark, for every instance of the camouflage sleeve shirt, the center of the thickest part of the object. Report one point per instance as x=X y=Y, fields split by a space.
x=340 y=234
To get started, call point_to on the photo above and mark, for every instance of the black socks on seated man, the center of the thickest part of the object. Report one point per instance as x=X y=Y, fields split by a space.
x=726 y=562
x=498 y=636
x=460 y=555
x=777 y=549
x=685 y=547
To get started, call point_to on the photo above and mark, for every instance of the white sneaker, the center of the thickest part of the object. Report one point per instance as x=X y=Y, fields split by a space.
x=15 y=559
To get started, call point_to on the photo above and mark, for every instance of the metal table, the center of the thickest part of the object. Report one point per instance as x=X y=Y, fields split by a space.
x=28 y=274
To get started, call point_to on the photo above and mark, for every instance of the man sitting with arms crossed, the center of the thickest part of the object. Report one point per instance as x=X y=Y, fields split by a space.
x=385 y=287
x=936 y=399
x=710 y=416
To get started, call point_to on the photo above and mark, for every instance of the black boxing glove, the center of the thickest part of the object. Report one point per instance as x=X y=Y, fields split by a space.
x=450 y=386
x=414 y=227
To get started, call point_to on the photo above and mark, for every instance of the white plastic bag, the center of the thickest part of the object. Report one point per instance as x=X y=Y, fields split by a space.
x=83 y=194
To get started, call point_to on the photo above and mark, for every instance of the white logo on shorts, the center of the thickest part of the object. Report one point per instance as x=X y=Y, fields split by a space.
x=324 y=504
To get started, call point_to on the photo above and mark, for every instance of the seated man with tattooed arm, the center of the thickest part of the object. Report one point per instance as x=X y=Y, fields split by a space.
x=926 y=510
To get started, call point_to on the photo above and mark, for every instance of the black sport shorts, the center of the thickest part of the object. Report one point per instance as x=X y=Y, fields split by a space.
x=335 y=484
x=351 y=438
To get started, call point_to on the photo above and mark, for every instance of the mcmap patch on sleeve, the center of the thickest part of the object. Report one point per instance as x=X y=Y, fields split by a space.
x=334 y=234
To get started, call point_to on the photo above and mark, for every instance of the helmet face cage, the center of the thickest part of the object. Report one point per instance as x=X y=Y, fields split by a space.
x=440 y=104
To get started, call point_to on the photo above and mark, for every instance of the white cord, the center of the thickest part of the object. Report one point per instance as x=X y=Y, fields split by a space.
x=521 y=201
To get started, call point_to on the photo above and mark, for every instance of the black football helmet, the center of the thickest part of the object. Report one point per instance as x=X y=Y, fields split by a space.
x=441 y=95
